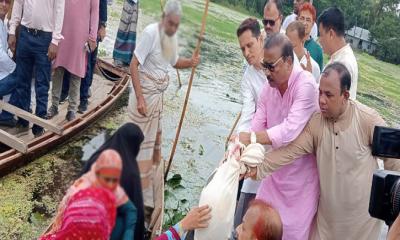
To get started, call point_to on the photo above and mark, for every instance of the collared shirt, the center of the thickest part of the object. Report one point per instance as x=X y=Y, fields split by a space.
x=44 y=15
x=345 y=55
x=291 y=18
x=292 y=190
x=7 y=65
x=345 y=165
x=315 y=51
x=252 y=84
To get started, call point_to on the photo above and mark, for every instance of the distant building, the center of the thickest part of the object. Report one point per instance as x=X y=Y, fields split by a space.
x=359 y=38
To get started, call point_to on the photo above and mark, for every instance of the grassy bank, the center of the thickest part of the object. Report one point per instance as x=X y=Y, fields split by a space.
x=219 y=23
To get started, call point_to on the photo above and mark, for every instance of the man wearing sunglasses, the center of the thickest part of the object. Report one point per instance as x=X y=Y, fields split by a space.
x=272 y=21
x=340 y=136
x=285 y=105
x=273 y=15
x=7 y=65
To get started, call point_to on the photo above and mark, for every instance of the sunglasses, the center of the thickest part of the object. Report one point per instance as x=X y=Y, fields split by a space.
x=5 y=1
x=269 y=22
x=271 y=66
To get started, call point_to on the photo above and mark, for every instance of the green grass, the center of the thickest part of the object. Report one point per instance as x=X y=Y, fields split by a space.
x=239 y=8
x=379 y=86
x=224 y=29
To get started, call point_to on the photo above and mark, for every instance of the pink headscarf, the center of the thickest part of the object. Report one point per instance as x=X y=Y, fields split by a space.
x=108 y=159
x=89 y=214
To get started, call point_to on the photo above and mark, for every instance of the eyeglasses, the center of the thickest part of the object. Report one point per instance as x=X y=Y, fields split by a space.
x=271 y=66
x=269 y=21
x=5 y=1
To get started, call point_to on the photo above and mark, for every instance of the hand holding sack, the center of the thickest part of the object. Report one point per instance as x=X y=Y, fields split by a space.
x=220 y=193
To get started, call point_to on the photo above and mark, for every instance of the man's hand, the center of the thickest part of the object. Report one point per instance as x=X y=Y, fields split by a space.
x=102 y=33
x=309 y=65
x=245 y=138
x=12 y=40
x=196 y=218
x=251 y=173
x=92 y=45
x=141 y=106
x=195 y=61
x=52 y=53
x=394 y=231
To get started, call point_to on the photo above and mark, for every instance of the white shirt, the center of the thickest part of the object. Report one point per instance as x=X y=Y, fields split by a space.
x=291 y=18
x=252 y=84
x=316 y=71
x=7 y=65
x=44 y=15
x=149 y=54
x=345 y=55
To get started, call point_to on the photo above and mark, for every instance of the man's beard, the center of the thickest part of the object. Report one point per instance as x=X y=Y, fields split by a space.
x=169 y=46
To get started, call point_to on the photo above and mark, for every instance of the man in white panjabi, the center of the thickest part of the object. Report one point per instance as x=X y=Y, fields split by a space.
x=156 y=51
x=331 y=37
x=254 y=78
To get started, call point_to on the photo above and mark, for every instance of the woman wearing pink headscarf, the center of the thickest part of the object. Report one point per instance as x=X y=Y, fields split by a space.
x=104 y=173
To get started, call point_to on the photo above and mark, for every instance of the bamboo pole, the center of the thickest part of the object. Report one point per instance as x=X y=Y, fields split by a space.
x=162 y=6
x=196 y=53
x=233 y=129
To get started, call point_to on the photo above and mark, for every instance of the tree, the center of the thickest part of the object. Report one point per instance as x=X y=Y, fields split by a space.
x=386 y=32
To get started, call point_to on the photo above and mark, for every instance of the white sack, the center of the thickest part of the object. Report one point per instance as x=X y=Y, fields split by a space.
x=220 y=193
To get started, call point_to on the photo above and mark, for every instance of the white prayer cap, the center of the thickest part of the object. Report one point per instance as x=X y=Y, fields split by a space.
x=173 y=7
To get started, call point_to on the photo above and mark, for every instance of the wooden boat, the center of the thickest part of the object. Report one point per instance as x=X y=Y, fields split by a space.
x=19 y=149
x=23 y=148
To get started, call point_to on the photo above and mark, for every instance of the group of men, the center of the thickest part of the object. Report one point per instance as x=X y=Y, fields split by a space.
x=318 y=172
x=304 y=110
x=55 y=41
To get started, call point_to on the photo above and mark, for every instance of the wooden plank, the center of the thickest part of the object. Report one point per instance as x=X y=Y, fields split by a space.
x=12 y=141
x=31 y=118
